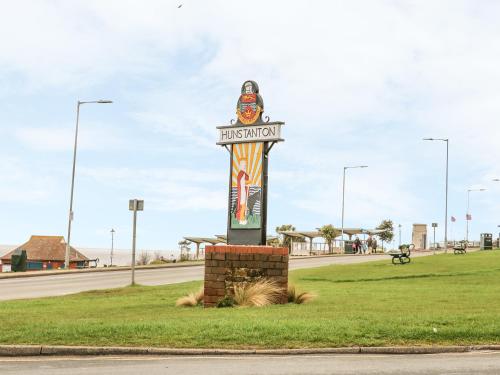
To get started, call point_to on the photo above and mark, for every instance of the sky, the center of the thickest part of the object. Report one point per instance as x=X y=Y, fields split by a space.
x=356 y=82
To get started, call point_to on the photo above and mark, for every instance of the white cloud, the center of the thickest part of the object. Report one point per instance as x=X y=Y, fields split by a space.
x=91 y=137
x=166 y=189
x=23 y=184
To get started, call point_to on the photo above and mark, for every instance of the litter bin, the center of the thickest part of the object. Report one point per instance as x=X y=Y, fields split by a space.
x=486 y=241
x=348 y=247
x=18 y=261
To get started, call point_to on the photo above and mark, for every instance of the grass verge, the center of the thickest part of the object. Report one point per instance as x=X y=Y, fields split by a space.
x=443 y=299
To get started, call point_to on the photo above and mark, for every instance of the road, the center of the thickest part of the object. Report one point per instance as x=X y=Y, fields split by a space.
x=56 y=285
x=477 y=363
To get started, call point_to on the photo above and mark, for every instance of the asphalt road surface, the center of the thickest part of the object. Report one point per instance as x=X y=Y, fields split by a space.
x=478 y=363
x=56 y=285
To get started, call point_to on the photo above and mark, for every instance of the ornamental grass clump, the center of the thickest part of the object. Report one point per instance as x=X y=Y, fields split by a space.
x=299 y=298
x=258 y=294
x=191 y=299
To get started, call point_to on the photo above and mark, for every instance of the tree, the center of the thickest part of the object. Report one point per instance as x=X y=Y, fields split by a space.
x=387 y=234
x=284 y=240
x=144 y=259
x=184 y=249
x=329 y=233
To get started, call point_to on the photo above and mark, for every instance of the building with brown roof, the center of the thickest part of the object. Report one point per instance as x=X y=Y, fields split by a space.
x=48 y=252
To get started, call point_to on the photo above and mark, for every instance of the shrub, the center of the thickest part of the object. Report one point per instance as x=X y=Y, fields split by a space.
x=227 y=301
x=190 y=300
x=299 y=298
x=144 y=259
x=259 y=293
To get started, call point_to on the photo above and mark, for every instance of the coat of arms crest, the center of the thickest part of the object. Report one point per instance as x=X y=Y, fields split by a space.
x=250 y=105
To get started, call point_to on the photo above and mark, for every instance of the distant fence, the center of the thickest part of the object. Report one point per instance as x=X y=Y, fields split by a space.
x=317 y=248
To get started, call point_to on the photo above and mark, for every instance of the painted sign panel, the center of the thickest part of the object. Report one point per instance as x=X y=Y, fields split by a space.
x=267 y=132
x=246 y=186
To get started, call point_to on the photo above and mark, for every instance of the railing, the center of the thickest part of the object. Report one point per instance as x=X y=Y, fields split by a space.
x=317 y=248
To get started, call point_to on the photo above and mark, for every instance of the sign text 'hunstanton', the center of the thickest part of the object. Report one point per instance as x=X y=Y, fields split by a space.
x=267 y=132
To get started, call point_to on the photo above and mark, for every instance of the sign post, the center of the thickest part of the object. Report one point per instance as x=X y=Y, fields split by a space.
x=248 y=141
x=434 y=226
x=134 y=205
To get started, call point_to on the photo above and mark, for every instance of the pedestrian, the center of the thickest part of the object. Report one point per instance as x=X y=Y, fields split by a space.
x=369 y=243
x=374 y=245
x=357 y=241
x=364 y=246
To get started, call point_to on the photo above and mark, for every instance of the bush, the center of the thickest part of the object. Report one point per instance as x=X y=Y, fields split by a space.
x=144 y=259
x=227 y=301
x=260 y=293
x=190 y=300
x=299 y=298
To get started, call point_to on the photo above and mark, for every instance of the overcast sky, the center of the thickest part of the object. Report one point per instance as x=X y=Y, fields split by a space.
x=357 y=82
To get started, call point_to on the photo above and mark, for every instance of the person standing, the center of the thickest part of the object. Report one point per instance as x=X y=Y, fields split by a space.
x=358 y=245
x=369 y=243
x=364 y=246
x=374 y=245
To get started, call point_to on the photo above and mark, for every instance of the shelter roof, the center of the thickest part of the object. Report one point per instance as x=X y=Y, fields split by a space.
x=314 y=234
x=47 y=248
x=200 y=240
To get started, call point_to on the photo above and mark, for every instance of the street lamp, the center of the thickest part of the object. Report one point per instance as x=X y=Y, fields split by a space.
x=343 y=195
x=70 y=218
x=112 y=245
x=446 y=199
x=467 y=216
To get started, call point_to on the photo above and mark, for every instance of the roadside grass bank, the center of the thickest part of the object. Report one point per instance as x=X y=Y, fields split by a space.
x=436 y=300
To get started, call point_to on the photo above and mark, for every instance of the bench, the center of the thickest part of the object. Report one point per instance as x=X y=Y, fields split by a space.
x=402 y=256
x=461 y=248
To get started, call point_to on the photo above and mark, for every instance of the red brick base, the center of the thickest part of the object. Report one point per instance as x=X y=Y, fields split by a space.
x=233 y=264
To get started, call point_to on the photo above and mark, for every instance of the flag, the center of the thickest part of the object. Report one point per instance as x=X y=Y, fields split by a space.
x=468 y=217
x=453 y=219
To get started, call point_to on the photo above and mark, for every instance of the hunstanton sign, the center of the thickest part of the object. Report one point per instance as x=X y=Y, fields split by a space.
x=267 y=132
x=249 y=141
x=246 y=259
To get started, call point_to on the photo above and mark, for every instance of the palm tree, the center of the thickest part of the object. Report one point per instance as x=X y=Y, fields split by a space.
x=329 y=233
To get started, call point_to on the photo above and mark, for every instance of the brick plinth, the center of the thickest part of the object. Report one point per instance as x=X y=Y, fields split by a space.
x=226 y=266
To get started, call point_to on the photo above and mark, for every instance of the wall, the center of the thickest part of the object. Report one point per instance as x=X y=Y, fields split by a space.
x=419 y=230
x=226 y=266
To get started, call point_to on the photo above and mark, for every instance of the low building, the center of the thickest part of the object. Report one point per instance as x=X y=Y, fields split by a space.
x=419 y=236
x=47 y=252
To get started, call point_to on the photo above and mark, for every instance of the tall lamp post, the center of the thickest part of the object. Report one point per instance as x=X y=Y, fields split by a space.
x=70 y=218
x=446 y=199
x=399 y=226
x=112 y=246
x=467 y=216
x=343 y=195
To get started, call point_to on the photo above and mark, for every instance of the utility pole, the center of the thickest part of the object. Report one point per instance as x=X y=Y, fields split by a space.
x=446 y=195
x=70 y=216
x=399 y=226
x=343 y=199
x=112 y=246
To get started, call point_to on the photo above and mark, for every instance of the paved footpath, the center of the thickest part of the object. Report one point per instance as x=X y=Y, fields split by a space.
x=477 y=363
x=56 y=285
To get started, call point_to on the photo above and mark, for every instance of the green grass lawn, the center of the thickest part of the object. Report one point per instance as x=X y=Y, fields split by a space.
x=366 y=304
